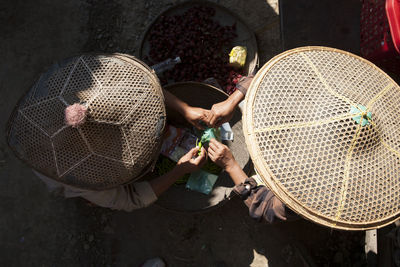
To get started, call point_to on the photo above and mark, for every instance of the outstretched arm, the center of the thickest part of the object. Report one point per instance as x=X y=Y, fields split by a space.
x=223 y=111
x=262 y=203
x=222 y=156
x=188 y=163
x=193 y=115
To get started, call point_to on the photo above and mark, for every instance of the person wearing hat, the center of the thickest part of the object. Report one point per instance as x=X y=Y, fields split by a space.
x=87 y=130
x=133 y=195
x=262 y=203
x=139 y=194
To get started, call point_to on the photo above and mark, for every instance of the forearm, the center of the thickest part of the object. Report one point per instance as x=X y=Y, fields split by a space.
x=237 y=174
x=235 y=98
x=175 y=103
x=162 y=183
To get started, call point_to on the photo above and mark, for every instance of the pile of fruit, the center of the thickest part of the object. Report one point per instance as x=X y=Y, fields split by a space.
x=202 y=44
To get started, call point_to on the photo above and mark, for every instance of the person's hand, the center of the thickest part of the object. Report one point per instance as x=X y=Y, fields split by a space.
x=220 y=154
x=221 y=112
x=191 y=162
x=197 y=115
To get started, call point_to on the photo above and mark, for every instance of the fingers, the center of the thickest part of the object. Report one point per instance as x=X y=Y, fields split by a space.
x=217 y=148
x=207 y=114
x=214 y=143
x=205 y=117
x=211 y=150
x=204 y=157
x=210 y=118
x=201 y=158
x=203 y=153
x=193 y=152
x=214 y=120
x=216 y=116
x=212 y=155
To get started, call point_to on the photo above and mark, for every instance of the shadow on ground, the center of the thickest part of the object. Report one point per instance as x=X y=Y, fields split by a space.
x=327 y=23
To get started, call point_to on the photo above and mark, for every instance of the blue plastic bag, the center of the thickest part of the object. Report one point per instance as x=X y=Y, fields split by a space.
x=201 y=181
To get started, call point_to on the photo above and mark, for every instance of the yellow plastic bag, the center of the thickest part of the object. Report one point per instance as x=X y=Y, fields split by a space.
x=237 y=56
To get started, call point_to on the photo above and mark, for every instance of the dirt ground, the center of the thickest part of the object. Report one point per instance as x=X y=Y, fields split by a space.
x=41 y=229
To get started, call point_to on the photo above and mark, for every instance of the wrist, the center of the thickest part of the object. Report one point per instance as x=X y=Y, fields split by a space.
x=231 y=166
x=178 y=170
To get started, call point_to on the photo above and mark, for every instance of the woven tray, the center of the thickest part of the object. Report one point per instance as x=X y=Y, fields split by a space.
x=300 y=124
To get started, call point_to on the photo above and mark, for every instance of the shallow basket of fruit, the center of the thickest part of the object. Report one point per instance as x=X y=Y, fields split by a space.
x=178 y=197
x=202 y=34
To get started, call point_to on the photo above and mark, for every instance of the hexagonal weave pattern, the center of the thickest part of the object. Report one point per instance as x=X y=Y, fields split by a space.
x=302 y=123
x=121 y=136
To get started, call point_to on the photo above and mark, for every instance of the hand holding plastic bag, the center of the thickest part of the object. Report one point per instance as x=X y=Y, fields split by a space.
x=191 y=162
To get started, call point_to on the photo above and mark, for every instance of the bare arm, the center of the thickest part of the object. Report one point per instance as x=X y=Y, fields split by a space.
x=162 y=183
x=222 y=156
x=261 y=201
x=193 y=115
x=223 y=111
x=188 y=163
x=237 y=174
x=175 y=103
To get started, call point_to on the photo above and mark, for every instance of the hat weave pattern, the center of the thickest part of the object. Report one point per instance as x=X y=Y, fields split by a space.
x=322 y=127
x=120 y=136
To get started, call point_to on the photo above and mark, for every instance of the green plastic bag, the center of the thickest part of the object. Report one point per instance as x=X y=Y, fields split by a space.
x=201 y=181
x=209 y=133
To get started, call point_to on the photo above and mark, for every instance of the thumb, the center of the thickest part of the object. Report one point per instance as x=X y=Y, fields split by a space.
x=193 y=151
x=200 y=158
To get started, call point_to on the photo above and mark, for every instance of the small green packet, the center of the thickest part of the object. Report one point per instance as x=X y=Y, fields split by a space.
x=201 y=181
x=206 y=135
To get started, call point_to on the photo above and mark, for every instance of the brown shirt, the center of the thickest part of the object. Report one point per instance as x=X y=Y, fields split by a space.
x=125 y=197
x=262 y=203
x=244 y=84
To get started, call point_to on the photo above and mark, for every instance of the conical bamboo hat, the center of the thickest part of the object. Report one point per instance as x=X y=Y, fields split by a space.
x=120 y=136
x=322 y=128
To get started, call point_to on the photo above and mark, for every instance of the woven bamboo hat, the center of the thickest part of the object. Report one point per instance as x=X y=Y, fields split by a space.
x=93 y=121
x=323 y=130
